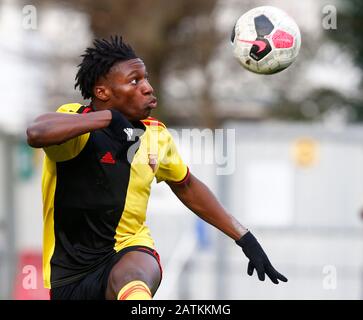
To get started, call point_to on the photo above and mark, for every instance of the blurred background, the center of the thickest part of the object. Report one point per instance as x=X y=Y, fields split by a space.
x=288 y=164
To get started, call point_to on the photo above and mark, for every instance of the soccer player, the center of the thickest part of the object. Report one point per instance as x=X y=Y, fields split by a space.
x=100 y=161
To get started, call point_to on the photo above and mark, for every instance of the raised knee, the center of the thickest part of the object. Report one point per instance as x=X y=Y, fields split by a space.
x=134 y=266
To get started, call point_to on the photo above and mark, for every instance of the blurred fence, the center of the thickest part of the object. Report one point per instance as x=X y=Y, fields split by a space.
x=20 y=219
x=7 y=216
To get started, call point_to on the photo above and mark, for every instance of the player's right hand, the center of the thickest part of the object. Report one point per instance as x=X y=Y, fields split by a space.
x=258 y=259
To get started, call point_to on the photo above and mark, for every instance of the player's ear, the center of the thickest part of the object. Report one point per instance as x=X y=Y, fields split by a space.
x=101 y=92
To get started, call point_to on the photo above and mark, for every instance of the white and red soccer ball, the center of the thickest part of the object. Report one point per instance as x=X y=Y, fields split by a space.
x=266 y=40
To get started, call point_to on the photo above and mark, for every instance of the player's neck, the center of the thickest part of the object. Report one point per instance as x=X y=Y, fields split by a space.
x=99 y=105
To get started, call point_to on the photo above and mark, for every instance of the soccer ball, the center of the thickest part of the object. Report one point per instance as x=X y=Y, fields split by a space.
x=266 y=40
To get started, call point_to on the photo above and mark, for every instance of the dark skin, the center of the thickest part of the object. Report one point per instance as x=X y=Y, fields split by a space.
x=127 y=89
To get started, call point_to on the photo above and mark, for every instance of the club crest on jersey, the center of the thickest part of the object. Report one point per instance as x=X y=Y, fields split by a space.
x=153 y=161
x=129 y=132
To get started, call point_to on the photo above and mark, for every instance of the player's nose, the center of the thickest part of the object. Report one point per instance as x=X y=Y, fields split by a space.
x=147 y=89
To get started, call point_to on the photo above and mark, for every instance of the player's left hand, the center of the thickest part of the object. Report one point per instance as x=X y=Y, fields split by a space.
x=258 y=259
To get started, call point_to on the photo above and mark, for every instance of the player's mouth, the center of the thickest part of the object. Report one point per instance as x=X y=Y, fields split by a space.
x=153 y=103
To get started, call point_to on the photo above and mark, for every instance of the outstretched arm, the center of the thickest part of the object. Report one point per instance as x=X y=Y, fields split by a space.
x=55 y=128
x=197 y=197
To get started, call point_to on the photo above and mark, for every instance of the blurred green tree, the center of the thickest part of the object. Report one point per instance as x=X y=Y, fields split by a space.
x=349 y=25
x=150 y=27
x=349 y=35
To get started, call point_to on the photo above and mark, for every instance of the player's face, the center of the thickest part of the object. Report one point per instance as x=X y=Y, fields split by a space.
x=131 y=92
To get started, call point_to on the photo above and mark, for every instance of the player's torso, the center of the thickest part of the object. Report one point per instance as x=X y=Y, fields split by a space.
x=95 y=203
x=109 y=177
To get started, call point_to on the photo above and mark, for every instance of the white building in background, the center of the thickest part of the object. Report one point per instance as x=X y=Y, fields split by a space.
x=39 y=47
x=17 y=83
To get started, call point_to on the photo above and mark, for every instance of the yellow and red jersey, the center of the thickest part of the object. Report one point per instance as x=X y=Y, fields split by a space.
x=95 y=193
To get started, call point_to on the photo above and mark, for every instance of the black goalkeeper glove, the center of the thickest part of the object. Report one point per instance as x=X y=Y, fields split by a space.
x=258 y=259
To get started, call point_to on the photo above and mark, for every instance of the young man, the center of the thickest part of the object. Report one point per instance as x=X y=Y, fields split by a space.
x=100 y=162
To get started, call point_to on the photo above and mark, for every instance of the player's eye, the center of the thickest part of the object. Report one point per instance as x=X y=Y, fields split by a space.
x=134 y=82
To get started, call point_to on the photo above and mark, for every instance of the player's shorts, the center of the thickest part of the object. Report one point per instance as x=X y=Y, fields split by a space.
x=93 y=286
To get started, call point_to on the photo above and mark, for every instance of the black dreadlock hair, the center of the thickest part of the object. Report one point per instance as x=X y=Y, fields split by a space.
x=98 y=61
